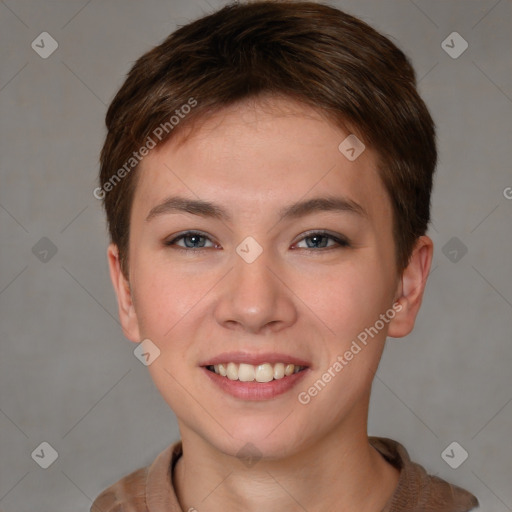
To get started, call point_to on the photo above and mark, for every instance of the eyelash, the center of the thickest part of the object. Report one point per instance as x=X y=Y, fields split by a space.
x=341 y=241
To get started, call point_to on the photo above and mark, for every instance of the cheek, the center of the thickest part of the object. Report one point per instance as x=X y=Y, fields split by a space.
x=163 y=297
x=349 y=298
x=352 y=300
x=166 y=304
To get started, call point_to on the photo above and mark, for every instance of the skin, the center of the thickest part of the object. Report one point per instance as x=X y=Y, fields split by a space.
x=253 y=159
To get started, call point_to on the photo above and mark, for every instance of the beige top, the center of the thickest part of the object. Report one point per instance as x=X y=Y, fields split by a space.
x=150 y=489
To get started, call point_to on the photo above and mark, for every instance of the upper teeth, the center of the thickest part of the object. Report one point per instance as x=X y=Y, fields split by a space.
x=260 y=373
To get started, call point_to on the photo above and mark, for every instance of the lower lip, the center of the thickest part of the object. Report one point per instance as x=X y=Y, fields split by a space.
x=255 y=390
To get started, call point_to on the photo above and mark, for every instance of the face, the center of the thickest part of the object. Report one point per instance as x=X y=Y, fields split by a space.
x=255 y=244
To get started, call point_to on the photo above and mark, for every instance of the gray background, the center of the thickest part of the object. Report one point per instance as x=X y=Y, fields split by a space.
x=68 y=376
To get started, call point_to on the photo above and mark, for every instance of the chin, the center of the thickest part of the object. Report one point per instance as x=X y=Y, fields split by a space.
x=256 y=440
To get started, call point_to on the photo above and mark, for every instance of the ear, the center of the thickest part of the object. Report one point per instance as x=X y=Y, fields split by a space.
x=410 y=288
x=127 y=314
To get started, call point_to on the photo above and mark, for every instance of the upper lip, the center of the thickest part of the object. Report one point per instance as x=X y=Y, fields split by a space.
x=254 y=358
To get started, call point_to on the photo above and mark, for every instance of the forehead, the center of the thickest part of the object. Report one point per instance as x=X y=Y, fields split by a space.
x=260 y=154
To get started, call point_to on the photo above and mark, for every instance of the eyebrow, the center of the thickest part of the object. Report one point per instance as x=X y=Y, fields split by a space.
x=177 y=204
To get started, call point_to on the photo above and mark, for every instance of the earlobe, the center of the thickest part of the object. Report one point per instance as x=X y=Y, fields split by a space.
x=411 y=287
x=123 y=292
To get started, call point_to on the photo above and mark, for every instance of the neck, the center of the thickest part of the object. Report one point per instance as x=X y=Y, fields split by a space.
x=335 y=473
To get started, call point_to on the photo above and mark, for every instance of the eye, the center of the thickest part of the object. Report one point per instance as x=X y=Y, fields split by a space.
x=194 y=240
x=320 y=240
x=191 y=240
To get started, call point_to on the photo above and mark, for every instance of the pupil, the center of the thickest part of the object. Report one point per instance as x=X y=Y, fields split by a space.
x=193 y=238
x=316 y=239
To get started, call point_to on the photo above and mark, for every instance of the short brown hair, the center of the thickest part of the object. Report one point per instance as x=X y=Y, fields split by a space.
x=306 y=51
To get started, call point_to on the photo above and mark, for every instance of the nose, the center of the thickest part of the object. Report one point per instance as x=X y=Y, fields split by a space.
x=255 y=298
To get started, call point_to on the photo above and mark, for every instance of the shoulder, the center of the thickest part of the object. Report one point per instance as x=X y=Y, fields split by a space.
x=147 y=488
x=444 y=496
x=417 y=490
x=126 y=495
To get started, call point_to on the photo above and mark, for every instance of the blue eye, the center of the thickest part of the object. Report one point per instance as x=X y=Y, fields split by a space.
x=191 y=239
x=320 y=239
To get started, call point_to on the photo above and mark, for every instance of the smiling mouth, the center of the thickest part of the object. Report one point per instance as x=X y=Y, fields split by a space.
x=265 y=372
